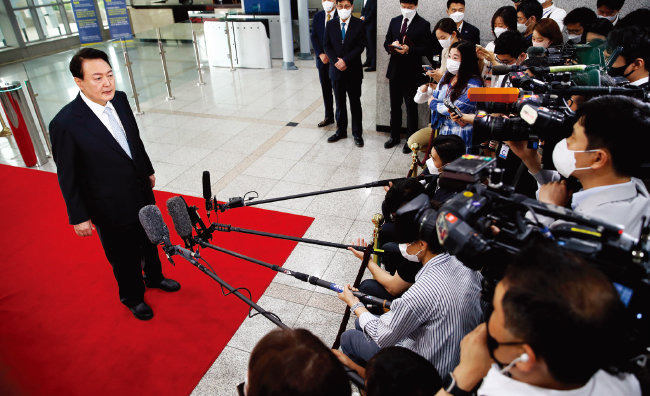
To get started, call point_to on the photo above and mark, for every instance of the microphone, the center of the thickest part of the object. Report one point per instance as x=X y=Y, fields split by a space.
x=366 y=298
x=535 y=52
x=177 y=209
x=158 y=233
x=207 y=191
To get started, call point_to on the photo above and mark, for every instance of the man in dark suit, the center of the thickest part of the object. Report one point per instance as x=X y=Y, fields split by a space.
x=327 y=14
x=408 y=39
x=369 y=17
x=106 y=177
x=456 y=11
x=344 y=43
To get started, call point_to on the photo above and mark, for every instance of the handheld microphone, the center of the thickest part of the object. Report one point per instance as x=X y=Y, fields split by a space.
x=368 y=299
x=207 y=191
x=177 y=209
x=158 y=233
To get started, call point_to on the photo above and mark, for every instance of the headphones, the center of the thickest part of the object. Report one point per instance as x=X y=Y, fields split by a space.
x=522 y=358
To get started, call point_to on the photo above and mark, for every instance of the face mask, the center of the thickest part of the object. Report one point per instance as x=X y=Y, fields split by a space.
x=432 y=167
x=521 y=27
x=446 y=43
x=575 y=38
x=328 y=6
x=541 y=1
x=493 y=344
x=565 y=159
x=410 y=257
x=453 y=66
x=408 y=14
x=609 y=18
x=344 y=14
x=457 y=16
x=499 y=30
x=619 y=71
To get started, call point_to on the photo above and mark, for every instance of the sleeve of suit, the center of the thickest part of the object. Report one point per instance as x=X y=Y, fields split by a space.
x=389 y=39
x=327 y=45
x=64 y=154
x=315 y=42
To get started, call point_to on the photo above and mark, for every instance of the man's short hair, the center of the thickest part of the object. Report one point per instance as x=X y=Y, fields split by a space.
x=601 y=26
x=566 y=310
x=581 y=15
x=450 y=2
x=620 y=124
x=294 y=362
x=639 y=18
x=400 y=371
x=510 y=43
x=448 y=147
x=402 y=191
x=635 y=42
x=611 y=4
x=76 y=63
x=414 y=2
x=531 y=8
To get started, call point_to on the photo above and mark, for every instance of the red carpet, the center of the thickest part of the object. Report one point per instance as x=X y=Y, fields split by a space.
x=63 y=330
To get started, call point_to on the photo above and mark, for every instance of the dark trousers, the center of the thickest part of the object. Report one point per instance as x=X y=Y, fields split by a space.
x=357 y=346
x=326 y=87
x=130 y=252
x=374 y=288
x=371 y=44
x=402 y=91
x=351 y=88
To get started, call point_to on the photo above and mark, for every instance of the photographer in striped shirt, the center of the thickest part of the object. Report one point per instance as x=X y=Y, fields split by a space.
x=431 y=317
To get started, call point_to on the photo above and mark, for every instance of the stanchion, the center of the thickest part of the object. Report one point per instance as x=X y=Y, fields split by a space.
x=198 y=60
x=39 y=117
x=127 y=63
x=161 y=51
x=232 y=65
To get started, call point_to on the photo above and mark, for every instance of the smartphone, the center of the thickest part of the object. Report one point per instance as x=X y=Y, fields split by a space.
x=452 y=107
x=397 y=46
x=427 y=67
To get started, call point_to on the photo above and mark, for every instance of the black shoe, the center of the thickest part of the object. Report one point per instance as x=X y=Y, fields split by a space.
x=358 y=141
x=142 y=311
x=371 y=69
x=168 y=285
x=325 y=122
x=406 y=149
x=392 y=142
x=336 y=137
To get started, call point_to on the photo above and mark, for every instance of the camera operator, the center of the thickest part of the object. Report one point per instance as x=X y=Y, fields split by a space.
x=598 y=31
x=529 y=12
x=606 y=149
x=632 y=63
x=430 y=318
x=557 y=325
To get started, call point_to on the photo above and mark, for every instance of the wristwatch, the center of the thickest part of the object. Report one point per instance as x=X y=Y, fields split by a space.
x=450 y=386
x=355 y=306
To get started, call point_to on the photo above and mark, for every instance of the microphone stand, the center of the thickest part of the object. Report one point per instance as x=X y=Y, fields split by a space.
x=238 y=202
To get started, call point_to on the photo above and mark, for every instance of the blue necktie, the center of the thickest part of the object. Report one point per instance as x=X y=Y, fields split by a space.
x=118 y=131
x=343 y=31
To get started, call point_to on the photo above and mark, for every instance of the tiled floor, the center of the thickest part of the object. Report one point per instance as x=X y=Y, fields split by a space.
x=235 y=127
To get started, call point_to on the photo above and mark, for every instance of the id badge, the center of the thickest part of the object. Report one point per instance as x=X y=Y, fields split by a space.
x=503 y=153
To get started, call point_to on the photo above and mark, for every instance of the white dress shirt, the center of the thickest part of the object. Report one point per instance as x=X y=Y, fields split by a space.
x=103 y=117
x=640 y=82
x=556 y=14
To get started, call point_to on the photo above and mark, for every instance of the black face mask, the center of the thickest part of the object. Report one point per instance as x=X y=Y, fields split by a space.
x=493 y=344
x=619 y=71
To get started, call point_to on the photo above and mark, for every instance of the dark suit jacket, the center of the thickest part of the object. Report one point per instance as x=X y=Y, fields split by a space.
x=97 y=178
x=350 y=50
x=369 y=12
x=318 y=34
x=470 y=33
x=418 y=38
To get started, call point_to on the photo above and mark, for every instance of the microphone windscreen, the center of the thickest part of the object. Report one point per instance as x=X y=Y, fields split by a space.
x=153 y=224
x=207 y=189
x=535 y=51
x=500 y=70
x=177 y=209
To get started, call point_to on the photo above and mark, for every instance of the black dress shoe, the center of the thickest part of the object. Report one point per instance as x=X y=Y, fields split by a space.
x=168 y=285
x=392 y=142
x=406 y=149
x=371 y=69
x=141 y=311
x=358 y=141
x=336 y=137
x=325 y=122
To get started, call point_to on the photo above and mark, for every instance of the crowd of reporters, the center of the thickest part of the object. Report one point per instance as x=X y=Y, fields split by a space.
x=552 y=324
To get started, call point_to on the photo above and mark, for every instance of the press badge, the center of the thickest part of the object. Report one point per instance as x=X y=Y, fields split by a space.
x=503 y=153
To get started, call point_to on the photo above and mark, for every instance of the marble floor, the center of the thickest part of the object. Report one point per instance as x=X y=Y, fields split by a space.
x=235 y=126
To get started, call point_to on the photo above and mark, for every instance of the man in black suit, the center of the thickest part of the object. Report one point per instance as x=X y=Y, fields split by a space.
x=456 y=11
x=328 y=13
x=408 y=39
x=106 y=177
x=344 y=43
x=369 y=17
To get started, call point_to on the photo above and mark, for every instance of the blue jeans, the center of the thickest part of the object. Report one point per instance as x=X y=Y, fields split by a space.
x=357 y=346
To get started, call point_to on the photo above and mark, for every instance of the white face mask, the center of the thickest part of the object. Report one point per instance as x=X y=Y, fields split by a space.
x=541 y=1
x=609 y=18
x=543 y=44
x=446 y=43
x=498 y=31
x=328 y=6
x=410 y=257
x=453 y=66
x=408 y=13
x=432 y=167
x=565 y=159
x=575 y=38
x=457 y=16
x=521 y=27
x=344 y=14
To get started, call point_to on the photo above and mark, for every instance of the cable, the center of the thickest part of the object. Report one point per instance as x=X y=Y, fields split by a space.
x=257 y=195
